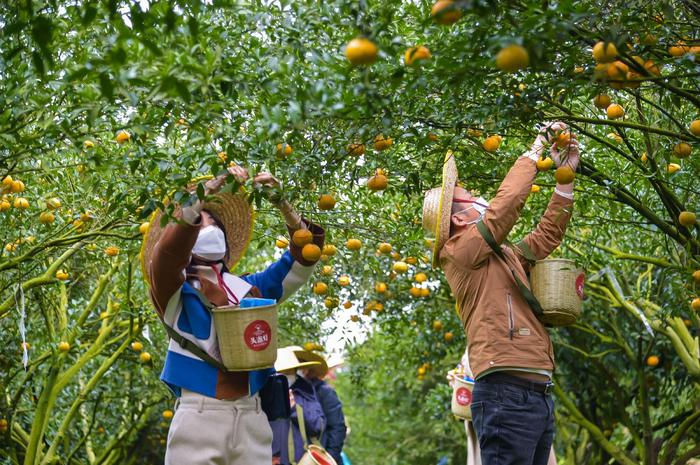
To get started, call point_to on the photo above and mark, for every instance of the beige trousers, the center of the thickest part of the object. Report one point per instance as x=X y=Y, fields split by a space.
x=210 y=431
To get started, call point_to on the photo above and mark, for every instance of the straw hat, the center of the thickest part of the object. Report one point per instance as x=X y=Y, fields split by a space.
x=234 y=212
x=320 y=370
x=437 y=207
x=287 y=359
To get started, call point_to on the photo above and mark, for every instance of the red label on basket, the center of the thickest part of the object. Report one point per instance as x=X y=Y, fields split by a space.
x=580 y=279
x=464 y=396
x=320 y=459
x=258 y=335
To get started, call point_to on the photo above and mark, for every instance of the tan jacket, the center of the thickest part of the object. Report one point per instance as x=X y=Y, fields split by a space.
x=502 y=330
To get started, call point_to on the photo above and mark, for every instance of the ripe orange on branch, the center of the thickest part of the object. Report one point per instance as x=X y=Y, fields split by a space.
x=385 y=248
x=512 y=58
x=687 y=219
x=301 y=237
x=320 y=288
x=695 y=127
x=653 y=361
x=382 y=143
x=281 y=242
x=682 y=150
x=311 y=252
x=445 y=12
x=326 y=202
x=122 y=137
x=673 y=167
x=695 y=304
x=492 y=143
x=378 y=182
x=354 y=244
x=361 y=51
x=415 y=55
x=615 y=111
x=356 y=149
x=284 y=150
x=564 y=175
x=330 y=250
x=602 y=101
x=604 y=52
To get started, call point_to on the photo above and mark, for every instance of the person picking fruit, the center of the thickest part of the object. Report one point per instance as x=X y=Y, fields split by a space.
x=187 y=266
x=510 y=352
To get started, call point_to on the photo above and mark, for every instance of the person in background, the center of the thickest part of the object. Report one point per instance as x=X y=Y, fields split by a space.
x=334 y=436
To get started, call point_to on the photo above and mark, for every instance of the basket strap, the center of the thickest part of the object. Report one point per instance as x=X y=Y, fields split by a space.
x=290 y=445
x=524 y=290
x=526 y=252
x=192 y=347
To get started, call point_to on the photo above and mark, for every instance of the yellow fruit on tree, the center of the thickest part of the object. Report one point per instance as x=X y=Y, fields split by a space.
x=380 y=287
x=695 y=304
x=448 y=336
x=696 y=276
x=4 y=205
x=10 y=247
x=535 y=189
x=222 y=156
x=327 y=270
x=679 y=49
x=564 y=175
x=356 y=149
x=382 y=143
x=695 y=127
x=673 y=167
x=143 y=227
x=615 y=111
x=421 y=277
x=433 y=137
x=61 y=275
x=88 y=144
x=301 y=237
x=63 y=346
x=653 y=360
x=395 y=255
x=21 y=203
x=284 y=150
x=330 y=302
x=415 y=55
x=602 y=101
x=492 y=143
x=687 y=219
x=17 y=187
x=437 y=325
x=361 y=51
x=320 y=288
x=512 y=58
x=136 y=346
x=4 y=425
x=344 y=280
x=421 y=371
x=644 y=157
x=378 y=182
x=311 y=252
x=415 y=291
x=326 y=202
x=424 y=292
x=144 y=357
x=411 y=260
x=618 y=71
x=615 y=136
x=354 y=244
x=385 y=248
x=7 y=182
x=167 y=414
x=281 y=242
x=682 y=150
x=122 y=137
x=330 y=250
x=445 y=12
x=652 y=68
x=563 y=140
x=604 y=52
x=347 y=304
x=47 y=218
x=54 y=203
x=400 y=267
x=112 y=251
x=544 y=164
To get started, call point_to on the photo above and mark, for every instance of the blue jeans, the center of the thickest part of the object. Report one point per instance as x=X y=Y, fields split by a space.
x=514 y=424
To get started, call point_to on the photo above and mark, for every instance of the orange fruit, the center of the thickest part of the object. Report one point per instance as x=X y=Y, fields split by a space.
x=17 y=187
x=330 y=302
x=7 y=182
x=679 y=49
x=47 y=218
x=53 y=203
x=136 y=346
x=545 y=164
x=448 y=336
x=564 y=175
x=284 y=150
x=382 y=143
x=281 y=242
x=378 y=182
x=385 y=248
x=400 y=267
x=696 y=276
x=602 y=101
x=695 y=127
x=356 y=149
x=343 y=280
x=644 y=157
x=492 y=143
x=327 y=270
x=326 y=202
x=604 y=52
x=63 y=346
x=112 y=251
x=648 y=39
x=223 y=157
x=330 y=250
x=682 y=150
x=535 y=189
x=354 y=244
x=615 y=111
x=512 y=58
x=695 y=304
x=432 y=137
x=320 y=288
x=301 y=237
x=687 y=219
x=618 y=70
x=415 y=291
x=411 y=260
x=347 y=304
x=653 y=360
x=415 y=55
x=4 y=205
x=122 y=137
x=652 y=68
x=673 y=167
x=361 y=51
x=144 y=357
x=445 y=12
x=380 y=287
x=424 y=292
x=4 y=425
x=21 y=203
x=437 y=325
x=420 y=277
x=167 y=414
x=563 y=139
x=311 y=252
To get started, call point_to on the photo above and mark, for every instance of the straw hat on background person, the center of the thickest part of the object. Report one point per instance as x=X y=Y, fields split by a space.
x=288 y=360
x=321 y=370
x=236 y=216
x=437 y=207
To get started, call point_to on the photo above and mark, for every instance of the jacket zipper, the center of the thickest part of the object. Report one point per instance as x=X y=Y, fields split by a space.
x=511 y=324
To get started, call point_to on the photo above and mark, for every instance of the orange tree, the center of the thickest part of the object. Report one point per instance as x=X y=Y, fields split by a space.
x=111 y=107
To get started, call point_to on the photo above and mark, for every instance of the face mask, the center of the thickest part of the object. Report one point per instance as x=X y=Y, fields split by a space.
x=291 y=379
x=211 y=244
x=480 y=205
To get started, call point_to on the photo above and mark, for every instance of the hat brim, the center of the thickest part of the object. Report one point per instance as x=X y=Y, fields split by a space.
x=295 y=366
x=320 y=370
x=447 y=189
x=235 y=213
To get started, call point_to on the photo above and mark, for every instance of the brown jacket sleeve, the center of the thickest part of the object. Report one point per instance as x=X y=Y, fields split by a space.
x=550 y=231
x=170 y=258
x=467 y=248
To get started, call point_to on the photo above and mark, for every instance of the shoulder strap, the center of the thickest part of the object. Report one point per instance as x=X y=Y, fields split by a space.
x=524 y=290
x=526 y=251
x=192 y=347
x=302 y=430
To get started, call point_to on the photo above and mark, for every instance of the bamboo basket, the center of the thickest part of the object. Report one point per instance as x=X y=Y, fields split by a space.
x=558 y=286
x=462 y=398
x=247 y=334
x=317 y=455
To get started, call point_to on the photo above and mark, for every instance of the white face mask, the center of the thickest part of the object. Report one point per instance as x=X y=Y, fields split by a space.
x=291 y=379
x=211 y=244
x=480 y=205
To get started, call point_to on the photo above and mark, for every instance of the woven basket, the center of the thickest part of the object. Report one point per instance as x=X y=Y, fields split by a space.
x=558 y=286
x=317 y=455
x=462 y=398
x=247 y=334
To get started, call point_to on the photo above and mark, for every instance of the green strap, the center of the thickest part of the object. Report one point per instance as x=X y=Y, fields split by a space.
x=526 y=252
x=302 y=430
x=192 y=347
x=524 y=290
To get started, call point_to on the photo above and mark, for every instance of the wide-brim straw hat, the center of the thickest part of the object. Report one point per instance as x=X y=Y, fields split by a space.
x=232 y=209
x=287 y=359
x=320 y=370
x=437 y=207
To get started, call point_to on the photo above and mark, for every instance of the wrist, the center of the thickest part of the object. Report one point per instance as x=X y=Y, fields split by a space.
x=565 y=190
